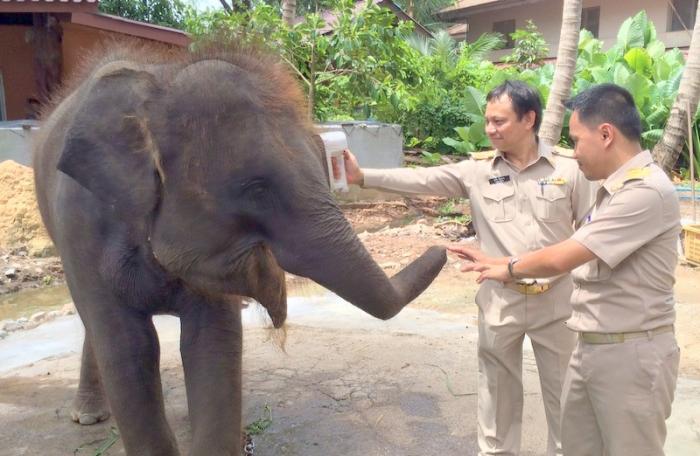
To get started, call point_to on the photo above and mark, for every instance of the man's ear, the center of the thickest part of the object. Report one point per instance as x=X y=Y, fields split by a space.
x=607 y=133
x=529 y=118
x=108 y=148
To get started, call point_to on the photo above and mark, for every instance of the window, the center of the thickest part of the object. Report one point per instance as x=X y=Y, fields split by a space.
x=15 y=19
x=681 y=15
x=506 y=28
x=590 y=19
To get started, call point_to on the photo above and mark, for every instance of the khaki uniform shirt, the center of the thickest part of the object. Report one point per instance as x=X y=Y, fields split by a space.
x=633 y=231
x=513 y=212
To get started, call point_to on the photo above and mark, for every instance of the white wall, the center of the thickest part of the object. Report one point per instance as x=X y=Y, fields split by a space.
x=547 y=16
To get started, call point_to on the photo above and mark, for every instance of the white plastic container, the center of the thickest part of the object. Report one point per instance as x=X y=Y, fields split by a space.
x=334 y=142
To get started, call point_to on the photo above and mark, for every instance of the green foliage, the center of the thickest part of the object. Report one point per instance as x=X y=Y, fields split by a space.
x=304 y=6
x=530 y=47
x=424 y=11
x=472 y=137
x=684 y=159
x=260 y=425
x=373 y=67
x=170 y=13
x=431 y=158
x=638 y=62
x=104 y=445
x=450 y=212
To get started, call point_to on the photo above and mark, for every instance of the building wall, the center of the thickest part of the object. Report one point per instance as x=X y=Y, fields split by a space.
x=547 y=16
x=16 y=60
x=78 y=41
x=16 y=65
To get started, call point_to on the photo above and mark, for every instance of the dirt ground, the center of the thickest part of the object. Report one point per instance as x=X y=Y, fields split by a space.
x=345 y=384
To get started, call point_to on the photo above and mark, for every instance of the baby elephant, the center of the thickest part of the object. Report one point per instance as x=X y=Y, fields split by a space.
x=177 y=184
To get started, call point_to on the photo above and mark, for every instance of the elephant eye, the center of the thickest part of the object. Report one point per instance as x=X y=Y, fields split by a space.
x=258 y=192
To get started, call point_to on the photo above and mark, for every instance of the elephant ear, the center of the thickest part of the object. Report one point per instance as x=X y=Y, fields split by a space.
x=108 y=148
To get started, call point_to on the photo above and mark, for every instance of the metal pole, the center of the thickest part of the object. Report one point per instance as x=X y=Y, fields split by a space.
x=691 y=161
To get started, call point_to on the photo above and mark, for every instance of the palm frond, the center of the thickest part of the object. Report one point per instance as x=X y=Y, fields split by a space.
x=420 y=43
x=484 y=45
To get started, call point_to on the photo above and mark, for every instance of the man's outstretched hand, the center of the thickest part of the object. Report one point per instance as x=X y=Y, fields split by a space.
x=477 y=261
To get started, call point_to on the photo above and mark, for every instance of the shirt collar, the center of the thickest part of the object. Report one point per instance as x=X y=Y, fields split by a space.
x=543 y=151
x=615 y=180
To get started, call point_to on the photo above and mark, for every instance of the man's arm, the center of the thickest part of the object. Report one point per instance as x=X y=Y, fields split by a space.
x=447 y=180
x=547 y=262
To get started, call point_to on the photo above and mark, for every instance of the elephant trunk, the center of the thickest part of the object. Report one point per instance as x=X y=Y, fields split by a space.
x=337 y=260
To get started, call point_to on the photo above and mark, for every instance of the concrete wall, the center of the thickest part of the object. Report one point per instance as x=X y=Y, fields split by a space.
x=15 y=141
x=547 y=16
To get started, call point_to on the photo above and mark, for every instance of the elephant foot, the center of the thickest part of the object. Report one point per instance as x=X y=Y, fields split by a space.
x=89 y=409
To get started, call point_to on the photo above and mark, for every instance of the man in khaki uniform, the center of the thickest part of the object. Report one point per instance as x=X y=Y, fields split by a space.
x=523 y=197
x=621 y=379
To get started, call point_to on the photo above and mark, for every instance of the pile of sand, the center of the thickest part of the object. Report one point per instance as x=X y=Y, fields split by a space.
x=20 y=222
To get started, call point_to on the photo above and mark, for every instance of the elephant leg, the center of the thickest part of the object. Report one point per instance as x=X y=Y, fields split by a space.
x=128 y=356
x=211 y=350
x=89 y=405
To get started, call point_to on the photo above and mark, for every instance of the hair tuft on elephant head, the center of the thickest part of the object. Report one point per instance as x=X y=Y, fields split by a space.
x=176 y=182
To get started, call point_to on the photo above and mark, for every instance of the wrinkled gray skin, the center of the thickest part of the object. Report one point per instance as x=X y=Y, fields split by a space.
x=176 y=189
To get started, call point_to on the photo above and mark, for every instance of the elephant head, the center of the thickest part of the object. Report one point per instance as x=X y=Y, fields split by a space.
x=211 y=163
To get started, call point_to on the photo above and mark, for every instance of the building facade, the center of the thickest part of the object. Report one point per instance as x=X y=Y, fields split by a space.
x=43 y=42
x=673 y=19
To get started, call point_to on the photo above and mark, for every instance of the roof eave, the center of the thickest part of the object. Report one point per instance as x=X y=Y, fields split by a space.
x=451 y=13
x=134 y=28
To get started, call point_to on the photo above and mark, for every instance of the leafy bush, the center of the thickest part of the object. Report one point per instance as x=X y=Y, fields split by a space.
x=373 y=67
x=530 y=47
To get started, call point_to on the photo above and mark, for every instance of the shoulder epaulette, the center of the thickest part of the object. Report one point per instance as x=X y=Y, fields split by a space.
x=562 y=152
x=632 y=174
x=485 y=155
x=637 y=173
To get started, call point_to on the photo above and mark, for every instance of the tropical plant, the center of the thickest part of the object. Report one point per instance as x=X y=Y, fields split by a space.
x=472 y=137
x=170 y=13
x=530 y=47
x=424 y=11
x=553 y=117
x=639 y=62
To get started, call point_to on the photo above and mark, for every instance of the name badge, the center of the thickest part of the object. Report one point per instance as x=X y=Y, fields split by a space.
x=499 y=180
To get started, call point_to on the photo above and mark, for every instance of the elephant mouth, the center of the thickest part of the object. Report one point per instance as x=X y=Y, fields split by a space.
x=259 y=276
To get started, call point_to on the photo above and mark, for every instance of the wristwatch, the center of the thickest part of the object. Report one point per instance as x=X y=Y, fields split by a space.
x=511 y=263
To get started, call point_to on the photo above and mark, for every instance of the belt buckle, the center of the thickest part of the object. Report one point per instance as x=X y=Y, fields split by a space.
x=531 y=287
x=524 y=286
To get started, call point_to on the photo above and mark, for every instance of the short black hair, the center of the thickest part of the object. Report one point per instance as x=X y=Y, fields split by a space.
x=608 y=103
x=523 y=97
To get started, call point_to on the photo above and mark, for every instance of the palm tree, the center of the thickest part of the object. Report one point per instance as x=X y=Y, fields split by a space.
x=553 y=119
x=289 y=9
x=424 y=10
x=667 y=150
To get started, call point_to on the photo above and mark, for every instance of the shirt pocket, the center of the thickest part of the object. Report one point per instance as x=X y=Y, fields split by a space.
x=499 y=202
x=551 y=203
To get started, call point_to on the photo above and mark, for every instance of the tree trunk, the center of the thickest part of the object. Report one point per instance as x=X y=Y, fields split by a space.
x=667 y=150
x=553 y=119
x=289 y=8
x=410 y=7
x=46 y=38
